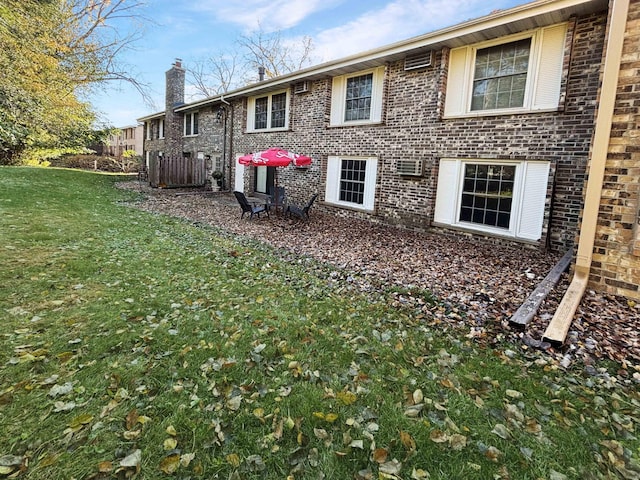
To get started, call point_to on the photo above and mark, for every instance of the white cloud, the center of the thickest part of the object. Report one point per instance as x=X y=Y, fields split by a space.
x=398 y=20
x=269 y=15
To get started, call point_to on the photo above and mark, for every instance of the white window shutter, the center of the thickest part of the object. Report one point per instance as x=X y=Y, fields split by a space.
x=457 y=80
x=333 y=174
x=337 y=101
x=376 y=94
x=251 y=114
x=238 y=184
x=447 y=192
x=546 y=94
x=534 y=194
x=370 y=183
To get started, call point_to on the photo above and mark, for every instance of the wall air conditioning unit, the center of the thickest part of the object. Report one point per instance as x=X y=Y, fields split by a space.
x=418 y=60
x=411 y=168
x=301 y=87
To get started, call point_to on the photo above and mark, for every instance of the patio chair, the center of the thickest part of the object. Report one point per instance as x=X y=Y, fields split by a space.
x=277 y=198
x=251 y=209
x=301 y=212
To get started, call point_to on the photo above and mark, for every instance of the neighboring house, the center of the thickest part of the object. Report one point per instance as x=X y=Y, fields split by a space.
x=485 y=128
x=128 y=138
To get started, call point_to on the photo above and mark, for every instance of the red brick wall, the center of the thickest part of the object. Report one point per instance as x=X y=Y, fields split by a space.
x=413 y=127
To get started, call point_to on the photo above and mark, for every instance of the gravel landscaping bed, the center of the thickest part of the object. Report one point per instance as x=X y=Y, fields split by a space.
x=481 y=283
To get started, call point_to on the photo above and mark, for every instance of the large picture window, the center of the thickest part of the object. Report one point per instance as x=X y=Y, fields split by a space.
x=351 y=181
x=505 y=198
x=268 y=112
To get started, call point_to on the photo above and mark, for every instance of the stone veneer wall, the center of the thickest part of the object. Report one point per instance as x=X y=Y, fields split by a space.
x=413 y=127
x=616 y=256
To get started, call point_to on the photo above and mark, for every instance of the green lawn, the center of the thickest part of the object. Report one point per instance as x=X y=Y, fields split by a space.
x=142 y=345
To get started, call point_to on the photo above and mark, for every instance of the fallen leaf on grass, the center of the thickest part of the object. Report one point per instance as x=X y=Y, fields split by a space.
x=233 y=459
x=10 y=464
x=131 y=462
x=391 y=468
x=438 y=436
x=105 y=467
x=170 y=443
x=457 y=441
x=501 y=431
x=407 y=441
x=255 y=463
x=170 y=463
x=346 y=397
x=380 y=455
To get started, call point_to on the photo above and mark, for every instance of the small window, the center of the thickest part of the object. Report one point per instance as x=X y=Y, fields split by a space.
x=351 y=181
x=191 y=124
x=357 y=98
x=269 y=112
x=352 y=177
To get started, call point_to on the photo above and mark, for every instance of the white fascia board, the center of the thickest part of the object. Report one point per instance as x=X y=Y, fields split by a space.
x=153 y=116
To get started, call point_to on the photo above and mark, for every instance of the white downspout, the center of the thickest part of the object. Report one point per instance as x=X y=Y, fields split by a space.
x=557 y=330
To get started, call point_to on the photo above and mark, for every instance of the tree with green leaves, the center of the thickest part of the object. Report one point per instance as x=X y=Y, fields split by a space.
x=52 y=53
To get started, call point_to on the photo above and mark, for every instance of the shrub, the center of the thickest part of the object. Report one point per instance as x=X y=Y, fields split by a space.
x=96 y=162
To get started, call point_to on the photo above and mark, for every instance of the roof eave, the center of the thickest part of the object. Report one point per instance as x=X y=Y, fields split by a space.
x=500 y=23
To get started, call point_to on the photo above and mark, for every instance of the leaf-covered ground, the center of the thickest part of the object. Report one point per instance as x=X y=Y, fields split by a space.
x=483 y=281
x=140 y=345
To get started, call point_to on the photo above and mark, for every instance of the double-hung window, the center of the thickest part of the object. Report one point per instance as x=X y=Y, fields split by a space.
x=190 y=124
x=268 y=112
x=505 y=198
x=351 y=181
x=357 y=98
x=514 y=74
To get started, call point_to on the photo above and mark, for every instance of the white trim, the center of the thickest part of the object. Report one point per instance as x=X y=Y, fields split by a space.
x=332 y=187
x=190 y=116
x=251 y=112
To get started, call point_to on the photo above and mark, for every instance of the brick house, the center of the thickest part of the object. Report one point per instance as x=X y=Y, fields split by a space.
x=127 y=138
x=488 y=128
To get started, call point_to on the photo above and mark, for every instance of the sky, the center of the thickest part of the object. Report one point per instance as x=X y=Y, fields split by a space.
x=192 y=30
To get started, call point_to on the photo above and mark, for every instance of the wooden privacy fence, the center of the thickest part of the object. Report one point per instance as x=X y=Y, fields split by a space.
x=169 y=172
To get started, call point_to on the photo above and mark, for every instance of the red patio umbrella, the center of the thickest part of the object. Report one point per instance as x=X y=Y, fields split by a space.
x=275 y=157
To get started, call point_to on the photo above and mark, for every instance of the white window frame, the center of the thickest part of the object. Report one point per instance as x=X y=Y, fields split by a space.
x=161 y=128
x=339 y=98
x=148 y=130
x=528 y=201
x=332 y=187
x=188 y=119
x=251 y=112
x=544 y=75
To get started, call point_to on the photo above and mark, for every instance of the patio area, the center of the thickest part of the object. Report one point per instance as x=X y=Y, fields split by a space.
x=481 y=283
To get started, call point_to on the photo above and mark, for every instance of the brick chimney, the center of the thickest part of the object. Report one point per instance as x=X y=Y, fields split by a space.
x=174 y=97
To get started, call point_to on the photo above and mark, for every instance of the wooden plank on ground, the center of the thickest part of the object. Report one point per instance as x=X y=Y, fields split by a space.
x=528 y=309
